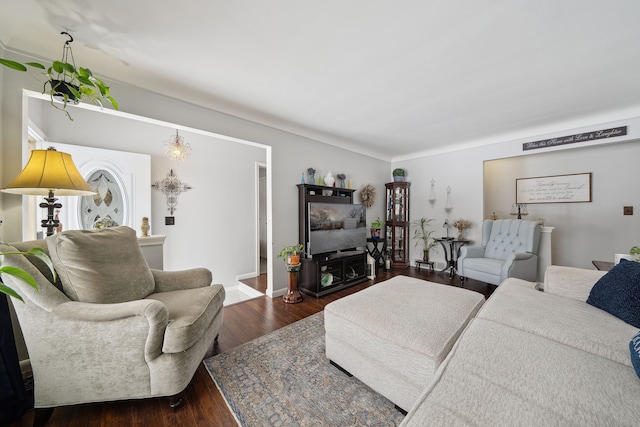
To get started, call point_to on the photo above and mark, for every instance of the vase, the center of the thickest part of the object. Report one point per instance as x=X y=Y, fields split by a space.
x=145 y=227
x=460 y=233
x=329 y=180
x=425 y=255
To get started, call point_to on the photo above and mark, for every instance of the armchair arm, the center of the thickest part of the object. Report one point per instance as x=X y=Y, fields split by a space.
x=472 y=252
x=167 y=281
x=571 y=282
x=146 y=319
x=523 y=265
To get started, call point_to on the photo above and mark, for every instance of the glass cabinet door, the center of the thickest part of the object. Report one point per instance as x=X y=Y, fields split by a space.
x=397 y=226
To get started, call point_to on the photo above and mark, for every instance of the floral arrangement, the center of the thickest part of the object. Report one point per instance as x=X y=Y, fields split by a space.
x=461 y=224
x=368 y=195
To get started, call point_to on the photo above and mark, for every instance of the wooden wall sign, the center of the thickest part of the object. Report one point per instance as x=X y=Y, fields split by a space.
x=572 y=139
x=573 y=188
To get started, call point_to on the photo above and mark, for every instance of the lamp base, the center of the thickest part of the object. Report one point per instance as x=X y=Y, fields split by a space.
x=50 y=223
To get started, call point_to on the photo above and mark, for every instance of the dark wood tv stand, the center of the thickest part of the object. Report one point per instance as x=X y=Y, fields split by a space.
x=329 y=273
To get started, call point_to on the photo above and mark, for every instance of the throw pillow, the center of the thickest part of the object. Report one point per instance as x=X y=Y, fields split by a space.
x=101 y=266
x=634 y=347
x=618 y=292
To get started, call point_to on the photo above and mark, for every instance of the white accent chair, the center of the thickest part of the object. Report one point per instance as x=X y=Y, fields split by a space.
x=110 y=328
x=509 y=248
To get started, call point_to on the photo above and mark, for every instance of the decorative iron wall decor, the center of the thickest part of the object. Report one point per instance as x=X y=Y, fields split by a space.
x=171 y=186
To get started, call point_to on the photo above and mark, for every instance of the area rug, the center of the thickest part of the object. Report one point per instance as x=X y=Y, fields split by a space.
x=285 y=379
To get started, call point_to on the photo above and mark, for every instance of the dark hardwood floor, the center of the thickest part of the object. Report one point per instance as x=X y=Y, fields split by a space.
x=204 y=405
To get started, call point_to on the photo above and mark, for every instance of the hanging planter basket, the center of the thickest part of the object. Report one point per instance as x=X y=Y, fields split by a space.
x=64 y=91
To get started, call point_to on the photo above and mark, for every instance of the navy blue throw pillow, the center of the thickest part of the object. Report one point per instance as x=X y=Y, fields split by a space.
x=634 y=347
x=618 y=292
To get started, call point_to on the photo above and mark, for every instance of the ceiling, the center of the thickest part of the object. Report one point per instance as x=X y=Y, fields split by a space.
x=389 y=79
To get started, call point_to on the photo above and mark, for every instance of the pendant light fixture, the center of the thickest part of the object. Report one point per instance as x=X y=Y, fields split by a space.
x=176 y=148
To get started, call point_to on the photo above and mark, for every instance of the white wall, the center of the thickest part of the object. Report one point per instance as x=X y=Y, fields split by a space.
x=583 y=231
x=291 y=155
x=587 y=231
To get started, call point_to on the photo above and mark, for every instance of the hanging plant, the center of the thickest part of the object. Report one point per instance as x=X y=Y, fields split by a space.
x=66 y=82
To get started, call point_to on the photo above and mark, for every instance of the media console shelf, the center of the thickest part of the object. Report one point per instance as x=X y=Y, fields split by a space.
x=324 y=275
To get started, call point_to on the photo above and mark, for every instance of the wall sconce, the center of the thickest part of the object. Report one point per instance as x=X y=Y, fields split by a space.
x=176 y=148
x=432 y=193
x=47 y=172
x=447 y=205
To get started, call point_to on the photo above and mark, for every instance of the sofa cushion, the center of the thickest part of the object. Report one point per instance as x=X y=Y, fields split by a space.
x=101 y=266
x=500 y=376
x=634 y=348
x=191 y=311
x=618 y=292
x=516 y=303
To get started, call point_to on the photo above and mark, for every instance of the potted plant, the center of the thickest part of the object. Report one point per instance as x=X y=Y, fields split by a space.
x=68 y=83
x=398 y=174
x=376 y=228
x=291 y=254
x=422 y=235
x=635 y=251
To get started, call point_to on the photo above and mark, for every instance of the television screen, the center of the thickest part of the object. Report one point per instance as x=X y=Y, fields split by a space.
x=336 y=227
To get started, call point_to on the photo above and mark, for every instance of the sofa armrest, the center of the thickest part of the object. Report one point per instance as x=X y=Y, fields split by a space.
x=570 y=282
x=167 y=281
x=147 y=319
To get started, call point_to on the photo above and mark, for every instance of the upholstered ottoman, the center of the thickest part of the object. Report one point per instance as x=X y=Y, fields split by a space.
x=393 y=335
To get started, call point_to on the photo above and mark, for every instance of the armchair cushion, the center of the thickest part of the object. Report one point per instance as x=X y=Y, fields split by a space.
x=191 y=312
x=618 y=292
x=101 y=266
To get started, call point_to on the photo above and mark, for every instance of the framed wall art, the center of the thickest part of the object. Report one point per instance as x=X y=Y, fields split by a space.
x=572 y=188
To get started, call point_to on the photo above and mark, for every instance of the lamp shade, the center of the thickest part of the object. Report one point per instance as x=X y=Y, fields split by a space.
x=50 y=170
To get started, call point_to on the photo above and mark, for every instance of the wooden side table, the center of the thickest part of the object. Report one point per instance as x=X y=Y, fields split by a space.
x=451 y=253
x=602 y=265
x=377 y=250
x=293 y=295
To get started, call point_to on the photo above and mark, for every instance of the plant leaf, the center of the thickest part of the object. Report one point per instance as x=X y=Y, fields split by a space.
x=113 y=102
x=42 y=256
x=69 y=68
x=35 y=65
x=8 y=291
x=57 y=67
x=13 y=64
x=85 y=80
x=20 y=274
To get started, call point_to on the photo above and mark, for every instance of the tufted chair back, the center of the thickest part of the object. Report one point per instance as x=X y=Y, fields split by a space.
x=503 y=237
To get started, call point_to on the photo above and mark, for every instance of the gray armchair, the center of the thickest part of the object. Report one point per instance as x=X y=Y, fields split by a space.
x=111 y=328
x=509 y=248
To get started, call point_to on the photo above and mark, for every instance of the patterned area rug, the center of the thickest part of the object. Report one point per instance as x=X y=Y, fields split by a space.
x=285 y=379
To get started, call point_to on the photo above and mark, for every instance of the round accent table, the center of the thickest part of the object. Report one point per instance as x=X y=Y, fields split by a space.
x=293 y=295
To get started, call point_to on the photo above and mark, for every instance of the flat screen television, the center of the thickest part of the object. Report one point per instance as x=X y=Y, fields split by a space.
x=336 y=227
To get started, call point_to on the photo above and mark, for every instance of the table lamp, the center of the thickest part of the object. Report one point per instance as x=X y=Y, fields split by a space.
x=47 y=172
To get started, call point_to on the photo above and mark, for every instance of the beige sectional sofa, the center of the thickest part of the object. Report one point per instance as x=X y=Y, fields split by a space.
x=533 y=358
